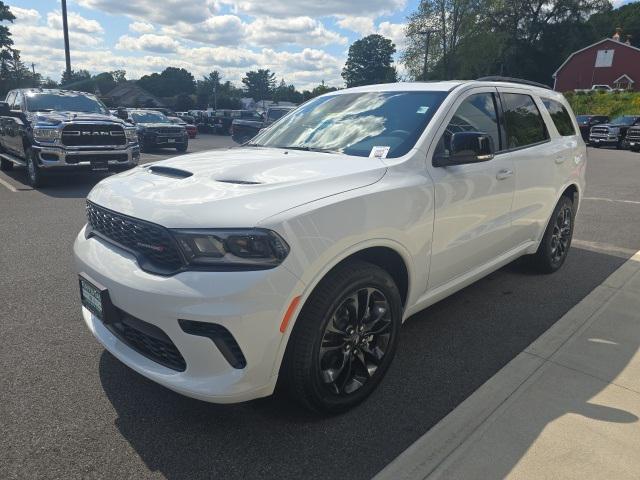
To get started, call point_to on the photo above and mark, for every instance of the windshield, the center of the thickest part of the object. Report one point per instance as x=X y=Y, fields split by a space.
x=582 y=118
x=355 y=123
x=624 y=120
x=64 y=102
x=279 y=113
x=149 y=117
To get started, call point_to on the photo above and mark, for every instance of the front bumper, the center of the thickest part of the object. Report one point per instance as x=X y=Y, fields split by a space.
x=58 y=157
x=250 y=305
x=606 y=140
x=157 y=140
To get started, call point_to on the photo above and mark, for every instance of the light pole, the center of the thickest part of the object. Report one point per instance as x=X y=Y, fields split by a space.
x=65 y=29
x=215 y=98
x=427 y=33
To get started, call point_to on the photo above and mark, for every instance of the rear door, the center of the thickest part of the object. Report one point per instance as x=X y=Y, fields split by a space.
x=472 y=202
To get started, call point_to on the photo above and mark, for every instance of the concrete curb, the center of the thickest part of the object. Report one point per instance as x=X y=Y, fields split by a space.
x=467 y=421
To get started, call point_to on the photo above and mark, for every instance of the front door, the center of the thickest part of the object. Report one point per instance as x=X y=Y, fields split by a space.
x=472 y=202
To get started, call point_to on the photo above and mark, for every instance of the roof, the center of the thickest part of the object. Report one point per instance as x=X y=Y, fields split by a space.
x=53 y=90
x=622 y=77
x=590 y=46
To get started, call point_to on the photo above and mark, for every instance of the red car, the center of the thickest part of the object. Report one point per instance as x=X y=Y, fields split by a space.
x=192 y=130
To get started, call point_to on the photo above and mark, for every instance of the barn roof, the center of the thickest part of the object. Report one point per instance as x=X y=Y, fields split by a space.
x=593 y=45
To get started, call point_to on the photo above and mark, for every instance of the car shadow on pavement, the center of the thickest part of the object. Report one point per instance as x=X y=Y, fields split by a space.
x=446 y=352
x=70 y=185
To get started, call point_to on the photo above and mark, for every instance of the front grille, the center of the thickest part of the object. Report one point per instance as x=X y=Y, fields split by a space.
x=88 y=135
x=148 y=340
x=118 y=157
x=153 y=245
x=600 y=130
x=633 y=134
x=169 y=131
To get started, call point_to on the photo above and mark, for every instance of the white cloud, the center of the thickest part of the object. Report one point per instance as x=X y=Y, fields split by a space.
x=37 y=35
x=366 y=26
x=25 y=16
x=394 y=32
x=148 y=42
x=141 y=27
x=299 y=30
x=76 y=23
x=362 y=25
x=166 y=12
x=217 y=30
x=315 y=8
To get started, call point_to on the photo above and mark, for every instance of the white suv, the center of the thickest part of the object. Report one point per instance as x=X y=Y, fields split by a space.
x=296 y=258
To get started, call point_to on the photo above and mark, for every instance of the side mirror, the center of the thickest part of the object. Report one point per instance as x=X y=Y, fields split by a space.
x=466 y=147
x=122 y=113
x=5 y=111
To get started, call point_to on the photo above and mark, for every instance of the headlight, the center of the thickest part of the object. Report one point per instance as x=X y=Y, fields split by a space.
x=242 y=248
x=46 y=134
x=131 y=134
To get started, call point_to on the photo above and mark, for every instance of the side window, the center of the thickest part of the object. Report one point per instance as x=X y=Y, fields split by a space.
x=560 y=117
x=17 y=103
x=523 y=122
x=10 y=98
x=477 y=113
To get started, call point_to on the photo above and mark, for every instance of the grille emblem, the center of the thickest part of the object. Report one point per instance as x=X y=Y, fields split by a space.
x=155 y=248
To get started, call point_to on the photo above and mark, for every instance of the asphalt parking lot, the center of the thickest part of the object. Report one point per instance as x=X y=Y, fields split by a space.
x=70 y=410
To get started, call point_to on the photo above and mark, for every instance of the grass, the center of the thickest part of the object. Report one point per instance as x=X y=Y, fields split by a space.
x=604 y=103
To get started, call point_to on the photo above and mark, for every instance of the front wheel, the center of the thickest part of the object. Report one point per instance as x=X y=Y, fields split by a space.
x=556 y=241
x=345 y=338
x=182 y=147
x=34 y=172
x=5 y=165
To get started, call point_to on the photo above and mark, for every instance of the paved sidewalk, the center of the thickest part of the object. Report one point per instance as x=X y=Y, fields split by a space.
x=567 y=407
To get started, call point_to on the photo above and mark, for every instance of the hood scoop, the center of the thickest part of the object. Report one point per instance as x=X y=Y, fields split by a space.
x=169 y=172
x=238 y=182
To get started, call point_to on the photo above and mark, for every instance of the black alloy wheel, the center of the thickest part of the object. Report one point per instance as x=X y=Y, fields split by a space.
x=344 y=339
x=355 y=341
x=556 y=241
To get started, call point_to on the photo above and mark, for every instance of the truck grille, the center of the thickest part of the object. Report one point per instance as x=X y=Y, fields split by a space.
x=170 y=131
x=633 y=134
x=153 y=245
x=600 y=130
x=87 y=135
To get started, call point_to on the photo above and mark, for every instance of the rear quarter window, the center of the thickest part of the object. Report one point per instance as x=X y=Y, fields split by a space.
x=523 y=123
x=560 y=117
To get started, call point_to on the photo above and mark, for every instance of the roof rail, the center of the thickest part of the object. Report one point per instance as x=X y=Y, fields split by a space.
x=513 y=80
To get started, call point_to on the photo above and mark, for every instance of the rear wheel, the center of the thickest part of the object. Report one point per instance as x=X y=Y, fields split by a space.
x=556 y=241
x=5 y=165
x=344 y=339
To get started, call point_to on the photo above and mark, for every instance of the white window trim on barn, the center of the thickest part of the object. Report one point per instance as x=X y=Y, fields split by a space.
x=623 y=79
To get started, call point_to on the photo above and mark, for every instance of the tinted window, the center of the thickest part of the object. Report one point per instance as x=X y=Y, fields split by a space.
x=523 y=122
x=10 y=97
x=354 y=123
x=560 y=117
x=149 y=117
x=17 y=102
x=477 y=113
x=275 y=114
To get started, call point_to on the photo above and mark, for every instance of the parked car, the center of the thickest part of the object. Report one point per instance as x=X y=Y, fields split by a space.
x=612 y=134
x=632 y=139
x=155 y=130
x=587 y=121
x=192 y=131
x=58 y=131
x=296 y=260
x=244 y=129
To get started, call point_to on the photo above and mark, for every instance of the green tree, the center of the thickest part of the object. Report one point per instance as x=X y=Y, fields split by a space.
x=370 y=60
x=260 y=84
x=627 y=17
x=171 y=82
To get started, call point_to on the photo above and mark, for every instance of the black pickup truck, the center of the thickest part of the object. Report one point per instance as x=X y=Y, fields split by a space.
x=54 y=131
x=155 y=130
x=243 y=130
x=613 y=134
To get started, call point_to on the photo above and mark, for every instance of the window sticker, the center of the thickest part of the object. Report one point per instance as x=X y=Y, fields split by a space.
x=379 y=152
x=422 y=110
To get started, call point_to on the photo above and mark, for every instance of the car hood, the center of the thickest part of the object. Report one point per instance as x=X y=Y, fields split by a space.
x=238 y=187
x=55 y=118
x=611 y=125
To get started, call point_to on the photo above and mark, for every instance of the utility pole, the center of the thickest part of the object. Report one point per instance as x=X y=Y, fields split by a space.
x=65 y=29
x=33 y=68
x=427 y=33
x=215 y=97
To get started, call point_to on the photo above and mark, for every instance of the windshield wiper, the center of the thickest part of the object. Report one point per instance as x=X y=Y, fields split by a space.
x=306 y=148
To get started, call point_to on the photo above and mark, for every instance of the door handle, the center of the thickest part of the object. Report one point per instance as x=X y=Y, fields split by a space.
x=504 y=174
x=560 y=160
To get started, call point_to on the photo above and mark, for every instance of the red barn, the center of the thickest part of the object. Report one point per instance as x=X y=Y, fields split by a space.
x=607 y=62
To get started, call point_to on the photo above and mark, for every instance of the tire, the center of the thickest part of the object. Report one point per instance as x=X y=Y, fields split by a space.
x=324 y=367
x=182 y=147
x=34 y=172
x=144 y=147
x=558 y=235
x=5 y=165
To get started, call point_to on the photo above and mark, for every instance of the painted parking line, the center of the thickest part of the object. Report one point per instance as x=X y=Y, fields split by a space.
x=8 y=185
x=612 y=200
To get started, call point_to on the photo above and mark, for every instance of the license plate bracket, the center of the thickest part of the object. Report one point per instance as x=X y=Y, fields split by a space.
x=99 y=165
x=96 y=299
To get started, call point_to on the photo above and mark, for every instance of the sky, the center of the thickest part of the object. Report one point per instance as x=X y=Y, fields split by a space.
x=304 y=42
